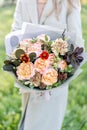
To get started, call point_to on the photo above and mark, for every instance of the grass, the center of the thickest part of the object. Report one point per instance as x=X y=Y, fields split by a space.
x=10 y=104
x=10 y=100
x=76 y=115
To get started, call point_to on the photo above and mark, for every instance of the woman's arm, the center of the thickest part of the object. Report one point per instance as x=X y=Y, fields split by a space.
x=17 y=24
x=74 y=21
x=74 y=18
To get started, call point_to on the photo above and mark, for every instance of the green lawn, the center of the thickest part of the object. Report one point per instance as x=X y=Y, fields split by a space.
x=10 y=99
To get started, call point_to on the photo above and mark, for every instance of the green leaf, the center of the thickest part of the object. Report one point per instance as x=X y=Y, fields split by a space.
x=31 y=86
x=32 y=56
x=42 y=41
x=46 y=37
x=7 y=62
x=50 y=42
x=8 y=67
x=56 y=84
x=48 y=87
x=16 y=62
x=19 y=52
x=34 y=40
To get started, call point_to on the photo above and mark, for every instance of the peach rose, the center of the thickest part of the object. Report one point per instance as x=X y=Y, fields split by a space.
x=62 y=65
x=41 y=65
x=25 y=71
x=36 y=47
x=50 y=76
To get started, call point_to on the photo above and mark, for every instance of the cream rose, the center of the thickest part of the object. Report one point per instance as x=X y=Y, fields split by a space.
x=25 y=43
x=59 y=46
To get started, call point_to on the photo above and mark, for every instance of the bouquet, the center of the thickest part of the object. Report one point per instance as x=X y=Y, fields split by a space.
x=44 y=63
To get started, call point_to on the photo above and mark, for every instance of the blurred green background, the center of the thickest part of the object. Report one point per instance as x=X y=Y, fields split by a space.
x=10 y=99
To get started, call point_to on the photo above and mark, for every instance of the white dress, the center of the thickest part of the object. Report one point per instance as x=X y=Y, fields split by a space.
x=42 y=114
x=46 y=115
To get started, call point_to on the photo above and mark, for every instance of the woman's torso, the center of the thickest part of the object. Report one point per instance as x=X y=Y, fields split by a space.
x=47 y=16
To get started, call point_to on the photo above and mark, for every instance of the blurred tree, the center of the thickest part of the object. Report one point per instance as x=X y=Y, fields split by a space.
x=83 y=1
x=13 y=1
x=7 y=2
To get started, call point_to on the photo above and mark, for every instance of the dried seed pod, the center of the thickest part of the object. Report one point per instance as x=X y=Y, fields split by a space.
x=36 y=79
x=62 y=76
x=42 y=86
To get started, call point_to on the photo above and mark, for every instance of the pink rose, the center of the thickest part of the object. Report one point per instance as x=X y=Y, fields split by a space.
x=36 y=48
x=41 y=65
x=62 y=65
x=25 y=43
x=51 y=58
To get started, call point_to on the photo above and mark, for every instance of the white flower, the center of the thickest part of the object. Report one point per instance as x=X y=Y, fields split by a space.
x=59 y=46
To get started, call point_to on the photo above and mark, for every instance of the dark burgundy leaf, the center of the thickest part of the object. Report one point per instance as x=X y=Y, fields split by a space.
x=80 y=50
x=71 y=47
x=80 y=58
x=68 y=60
x=77 y=61
x=76 y=50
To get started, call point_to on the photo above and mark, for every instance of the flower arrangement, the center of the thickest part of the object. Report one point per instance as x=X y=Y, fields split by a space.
x=43 y=63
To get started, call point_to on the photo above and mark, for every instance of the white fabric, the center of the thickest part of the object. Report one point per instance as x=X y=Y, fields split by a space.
x=26 y=11
x=46 y=115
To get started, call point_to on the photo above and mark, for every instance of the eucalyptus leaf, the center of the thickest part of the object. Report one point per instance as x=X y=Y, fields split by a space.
x=8 y=67
x=32 y=56
x=19 y=52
